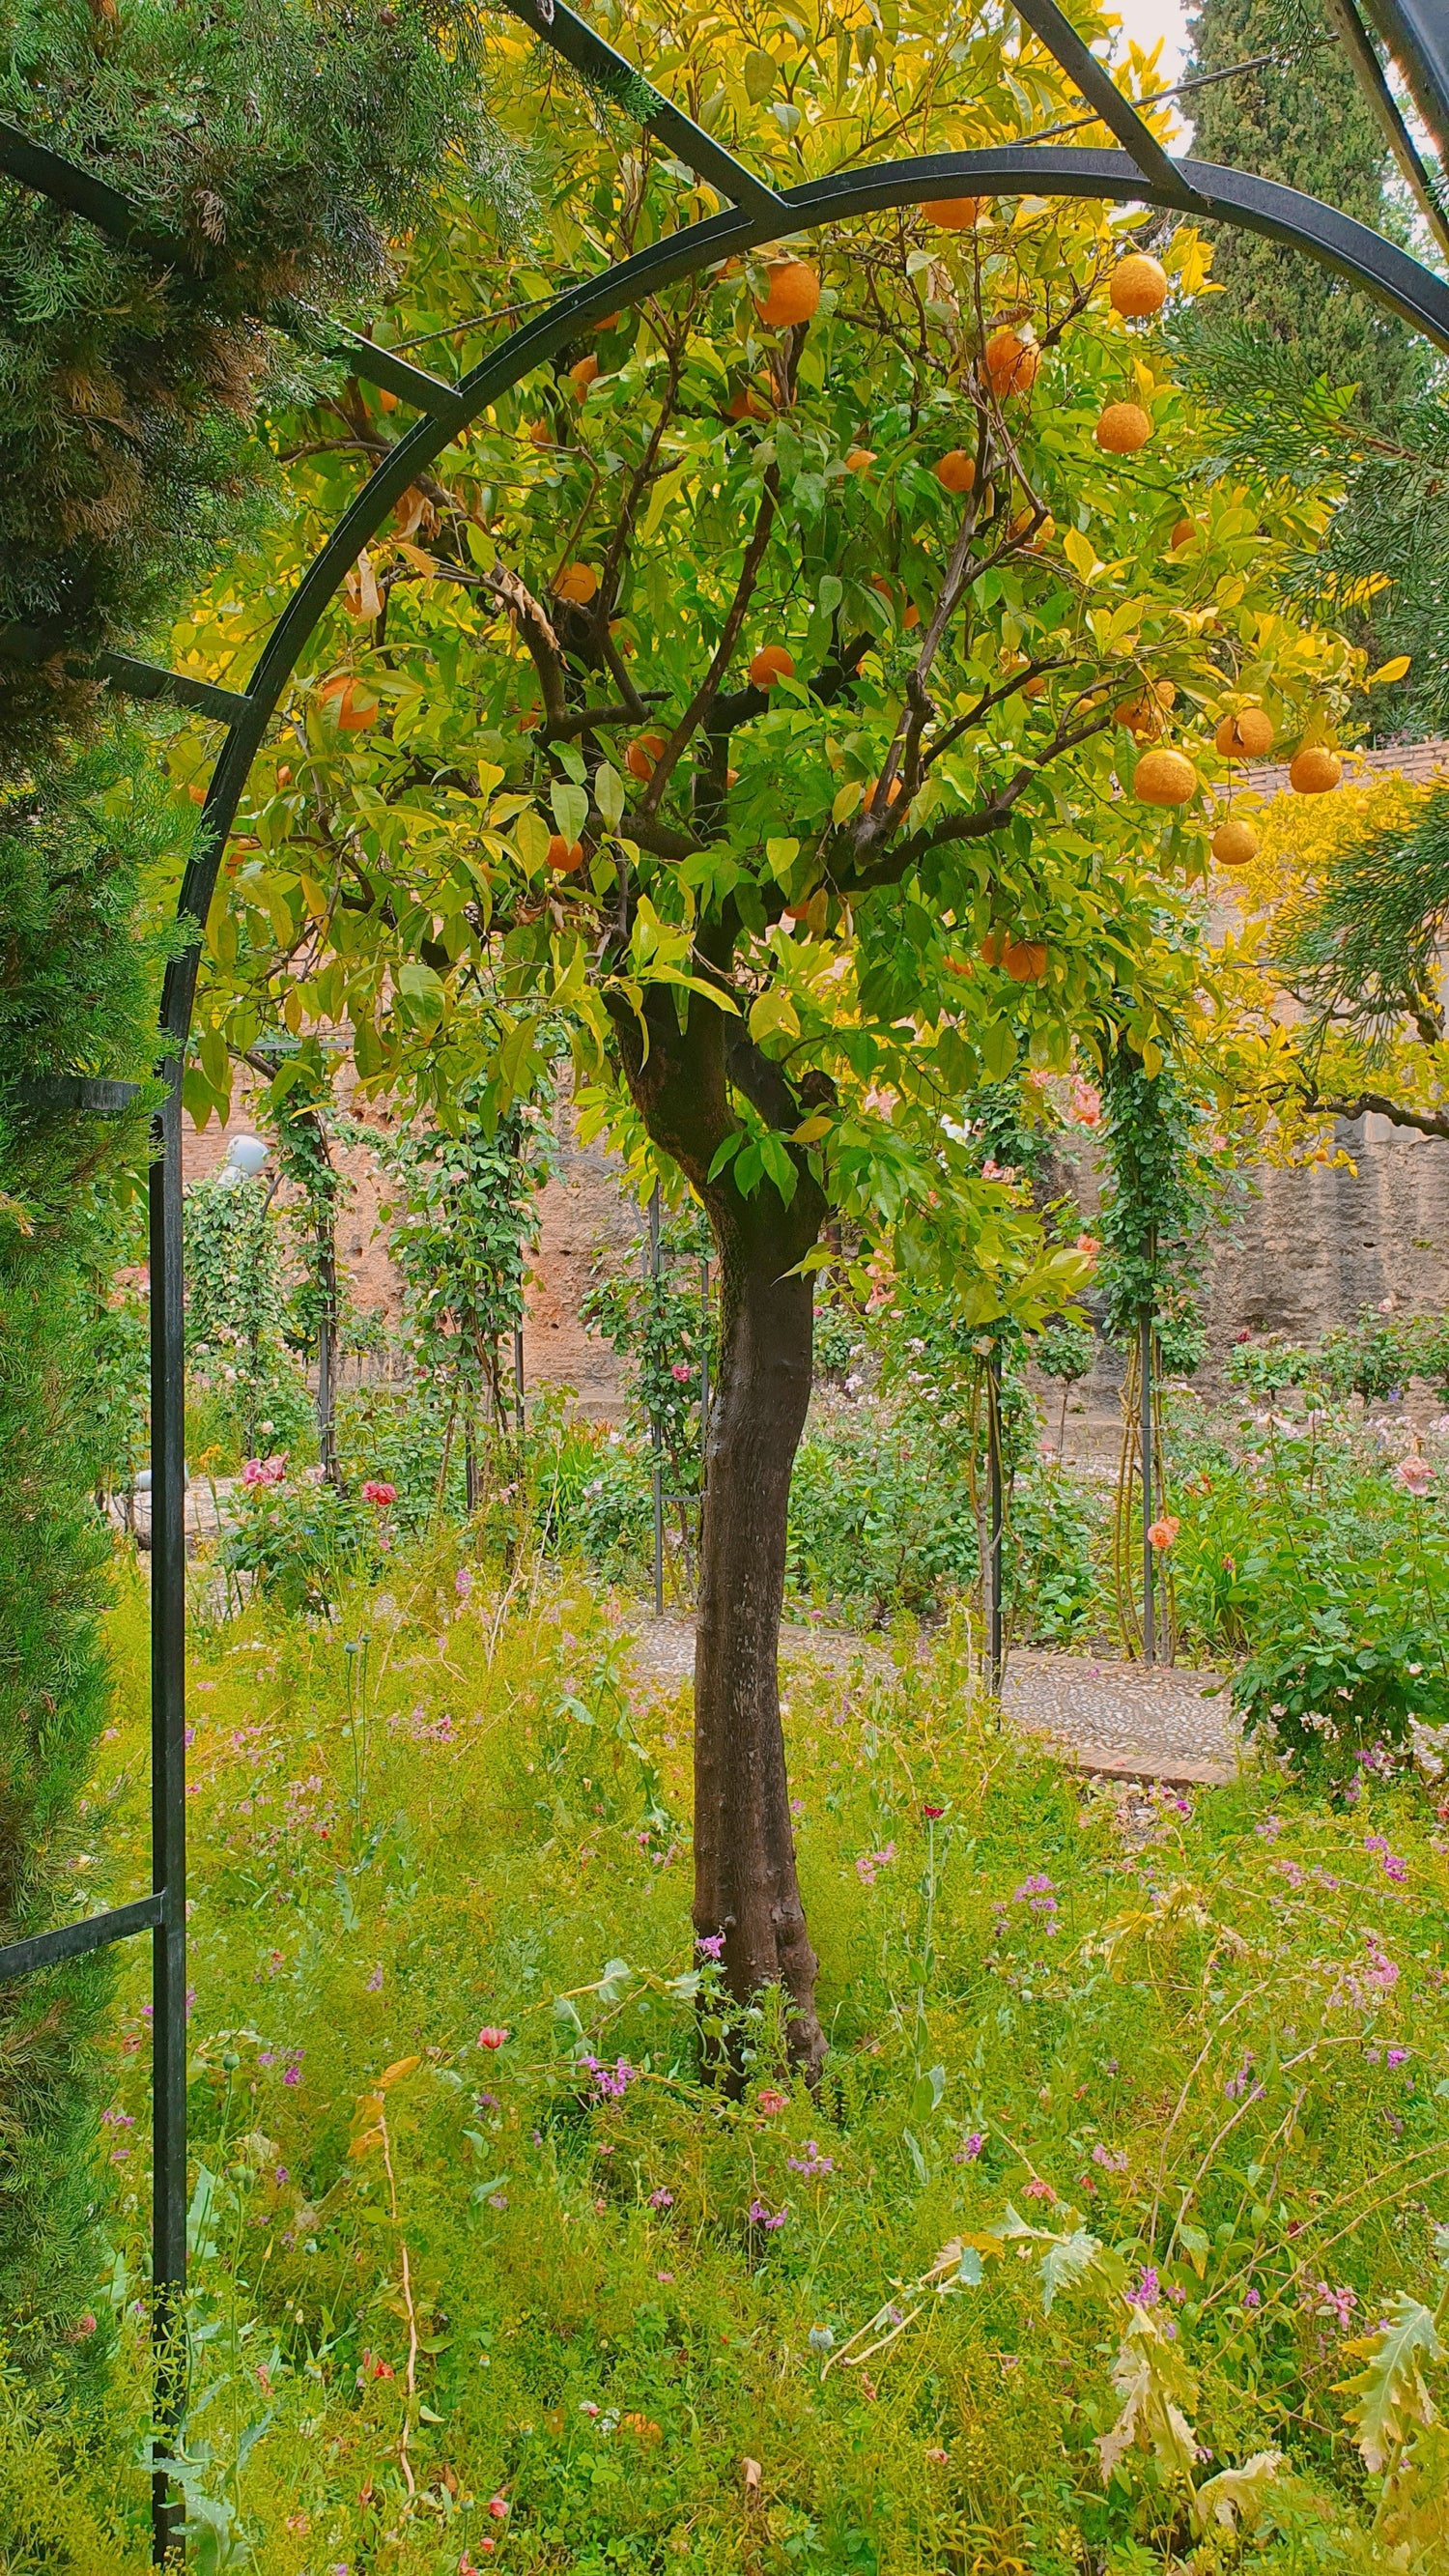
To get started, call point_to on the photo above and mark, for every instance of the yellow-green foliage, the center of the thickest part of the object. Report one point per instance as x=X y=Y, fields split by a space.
x=1094 y=2057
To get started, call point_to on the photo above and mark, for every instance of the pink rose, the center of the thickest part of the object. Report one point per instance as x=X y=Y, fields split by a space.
x=374 y=1491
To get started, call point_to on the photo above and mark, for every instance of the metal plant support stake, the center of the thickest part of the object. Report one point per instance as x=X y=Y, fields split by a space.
x=656 y=1431
x=752 y=213
x=995 y=1504
x=1144 y=1434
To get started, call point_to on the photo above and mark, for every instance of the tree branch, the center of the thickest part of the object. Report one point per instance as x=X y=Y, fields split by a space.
x=704 y=695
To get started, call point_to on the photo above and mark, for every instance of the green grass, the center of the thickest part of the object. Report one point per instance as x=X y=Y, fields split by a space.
x=462 y=1825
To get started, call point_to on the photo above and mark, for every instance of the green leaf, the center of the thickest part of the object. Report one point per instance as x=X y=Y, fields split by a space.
x=609 y=795
x=997 y=1042
x=570 y=809
x=532 y=836
x=761 y=74
x=773 y=1011
x=1236 y=2495
x=1390 y=2390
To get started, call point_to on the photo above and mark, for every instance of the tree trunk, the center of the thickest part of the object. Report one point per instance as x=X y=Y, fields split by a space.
x=746 y=1892
x=744 y=1847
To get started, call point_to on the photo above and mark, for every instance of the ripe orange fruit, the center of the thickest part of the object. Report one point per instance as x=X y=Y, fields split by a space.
x=860 y=460
x=354 y=707
x=911 y=616
x=770 y=664
x=1183 y=534
x=891 y=796
x=386 y=401
x=642 y=754
x=746 y=404
x=792 y=295
x=540 y=435
x=1036 y=688
x=956 y=471
x=1315 y=770
x=1123 y=428
x=1246 y=735
x=1164 y=778
x=582 y=373
x=1139 y=286
x=995 y=945
x=1011 y=363
x=1234 y=844
x=564 y=855
x=605 y=322
x=1025 y=960
x=577 y=582
x=953 y=214
x=284 y=776
x=1044 y=535
x=1141 y=715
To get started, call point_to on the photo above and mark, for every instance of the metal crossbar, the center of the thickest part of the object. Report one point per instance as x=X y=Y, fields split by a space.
x=1142 y=172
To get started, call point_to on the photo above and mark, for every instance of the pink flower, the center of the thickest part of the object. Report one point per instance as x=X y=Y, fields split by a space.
x=769 y=2101
x=1086 y=1110
x=1088 y=1244
x=1415 y=1475
x=375 y=1491
x=761 y=2215
x=463 y=1582
x=490 y=2038
x=1036 y=2189
x=1162 y=1533
x=498 y=2507
x=264 y=1471
x=971 y=2147
x=680 y=1374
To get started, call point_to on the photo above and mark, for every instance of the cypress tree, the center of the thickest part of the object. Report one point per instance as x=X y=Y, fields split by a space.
x=272 y=148
x=1303 y=121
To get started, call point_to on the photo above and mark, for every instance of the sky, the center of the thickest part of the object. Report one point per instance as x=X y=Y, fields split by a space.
x=1145 y=20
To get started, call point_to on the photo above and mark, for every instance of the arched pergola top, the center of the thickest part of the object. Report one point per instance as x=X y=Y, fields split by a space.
x=1141 y=171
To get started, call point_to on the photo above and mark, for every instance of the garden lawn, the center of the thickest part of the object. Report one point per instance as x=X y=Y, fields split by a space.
x=482 y=2276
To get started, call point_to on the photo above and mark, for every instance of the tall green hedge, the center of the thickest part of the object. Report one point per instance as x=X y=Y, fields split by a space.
x=280 y=145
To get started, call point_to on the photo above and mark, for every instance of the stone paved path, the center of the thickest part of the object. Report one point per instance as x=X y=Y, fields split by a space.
x=1119 y=1721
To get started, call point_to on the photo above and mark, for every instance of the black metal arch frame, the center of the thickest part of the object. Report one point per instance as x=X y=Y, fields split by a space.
x=1142 y=171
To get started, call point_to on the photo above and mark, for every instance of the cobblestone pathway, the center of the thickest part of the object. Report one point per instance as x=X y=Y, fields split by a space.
x=1120 y=1722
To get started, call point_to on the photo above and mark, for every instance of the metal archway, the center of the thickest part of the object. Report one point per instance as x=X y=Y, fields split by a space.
x=1142 y=171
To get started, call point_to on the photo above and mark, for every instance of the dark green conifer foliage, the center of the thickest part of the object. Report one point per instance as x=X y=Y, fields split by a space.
x=1302 y=121
x=278 y=146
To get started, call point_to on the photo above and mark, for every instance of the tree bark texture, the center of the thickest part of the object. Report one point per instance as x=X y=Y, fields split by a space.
x=746 y=1889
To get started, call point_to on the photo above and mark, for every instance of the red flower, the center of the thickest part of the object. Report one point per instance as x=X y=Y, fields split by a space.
x=491 y=2038
x=374 y=1491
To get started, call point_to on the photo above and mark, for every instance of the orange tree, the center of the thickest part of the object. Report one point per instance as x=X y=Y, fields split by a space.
x=777 y=689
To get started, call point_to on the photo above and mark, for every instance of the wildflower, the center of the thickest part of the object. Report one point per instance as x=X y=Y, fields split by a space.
x=1338 y=2304
x=463 y=1582
x=812 y=2164
x=937 y=2457
x=1393 y=1866
x=375 y=1491
x=1161 y=1533
x=680 y=1373
x=661 y=2199
x=761 y=2214
x=665 y=2277
x=587 y=2407
x=1395 y=2056
x=870 y=1862
x=769 y=2101
x=1088 y=1244
x=292 y=2075
x=488 y=2037
x=613 y=2082
x=1036 y=2189
x=1147 y=2292
x=281 y=2177
x=931 y=1813
x=970 y=2147
x=498 y=2507
x=1415 y=1475
x=711 y=1943
x=1252 y=2298
x=498 y=2200
x=374 y=1982
x=1111 y=2159
x=821 y=2339
x=1086 y=1108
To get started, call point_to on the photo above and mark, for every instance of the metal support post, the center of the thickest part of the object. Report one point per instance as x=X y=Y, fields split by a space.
x=168 y=1811
x=1149 y=1568
x=994 y=1656
x=655 y=1432
x=518 y=1405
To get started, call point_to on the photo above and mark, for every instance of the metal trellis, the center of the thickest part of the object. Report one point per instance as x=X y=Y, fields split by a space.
x=1141 y=171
